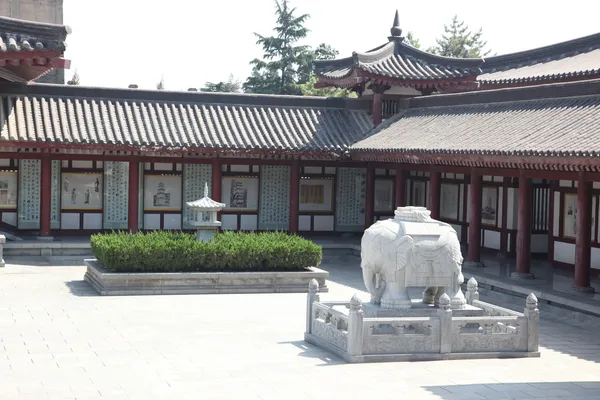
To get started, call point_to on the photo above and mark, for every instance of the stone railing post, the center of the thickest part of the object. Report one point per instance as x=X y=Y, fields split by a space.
x=445 y=315
x=532 y=315
x=2 y=241
x=472 y=293
x=313 y=295
x=355 y=327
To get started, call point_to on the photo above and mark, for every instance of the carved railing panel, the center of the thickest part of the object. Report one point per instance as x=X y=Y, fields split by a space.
x=486 y=334
x=493 y=310
x=401 y=335
x=330 y=325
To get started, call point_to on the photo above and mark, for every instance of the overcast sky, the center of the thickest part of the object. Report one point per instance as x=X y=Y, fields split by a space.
x=191 y=42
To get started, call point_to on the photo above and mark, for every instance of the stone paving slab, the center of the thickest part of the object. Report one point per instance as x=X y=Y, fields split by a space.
x=59 y=340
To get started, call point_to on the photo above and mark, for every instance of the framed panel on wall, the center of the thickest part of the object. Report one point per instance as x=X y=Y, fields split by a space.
x=239 y=193
x=419 y=193
x=489 y=205
x=316 y=195
x=81 y=191
x=8 y=189
x=569 y=215
x=384 y=195
x=449 y=201
x=162 y=192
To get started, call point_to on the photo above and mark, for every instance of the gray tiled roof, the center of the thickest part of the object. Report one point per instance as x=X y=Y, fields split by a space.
x=21 y=35
x=559 y=119
x=571 y=59
x=179 y=120
x=398 y=60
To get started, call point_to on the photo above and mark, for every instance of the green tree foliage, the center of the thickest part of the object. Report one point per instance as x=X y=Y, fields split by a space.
x=74 y=79
x=161 y=84
x=308 y=89
x=459 y=41
x=277 y=72
x=412 y=40
x=287 y=67
x=230 y=86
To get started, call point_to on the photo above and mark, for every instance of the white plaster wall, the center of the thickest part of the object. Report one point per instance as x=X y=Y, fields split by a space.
x=4 y=162
x=556 y=214
x=240 y=168
x=500 y=207
x=564 y=252
x=172 y=221
x=249 y=222
x=229 y=222
x=304 y=222
x=458 y=229
x=312 y=170
x=92 y=221
x=323 y=223
x=539 y=243
x=83 y=164
x=69 y=221
x=565 y=183
x=512 y=209
x=380 y=171
x=151 y=221
x=595 y=260
x=330 y=170
x=10 y=218
x=491 y=239
x=163 y=166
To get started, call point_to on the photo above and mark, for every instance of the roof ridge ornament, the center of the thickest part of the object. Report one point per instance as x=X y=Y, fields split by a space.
x=396 y=31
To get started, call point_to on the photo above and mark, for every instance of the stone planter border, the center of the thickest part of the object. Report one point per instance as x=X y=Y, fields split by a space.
x=147 y=283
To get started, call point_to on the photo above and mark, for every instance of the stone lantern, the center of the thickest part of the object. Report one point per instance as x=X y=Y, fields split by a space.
x=205 y=216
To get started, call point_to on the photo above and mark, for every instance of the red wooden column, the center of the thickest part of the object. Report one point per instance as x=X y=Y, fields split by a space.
x=294 y=195
x=370 y=196
x=434 y=194
x=474 y=253
x=524 y=229
x=134 y=190
x=45 y=196
x=504 y=223
x=216 y=182
x=584 y=232
x=377 y=110
x=400 y=187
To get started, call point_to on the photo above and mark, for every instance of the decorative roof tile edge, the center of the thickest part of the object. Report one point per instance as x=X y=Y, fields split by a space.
x=41 y=29
x=238 y=99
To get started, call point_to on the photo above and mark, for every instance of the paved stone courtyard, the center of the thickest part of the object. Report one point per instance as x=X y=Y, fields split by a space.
x=62 y=341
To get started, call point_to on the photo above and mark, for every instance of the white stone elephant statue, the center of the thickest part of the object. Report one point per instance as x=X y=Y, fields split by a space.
x=411 y=250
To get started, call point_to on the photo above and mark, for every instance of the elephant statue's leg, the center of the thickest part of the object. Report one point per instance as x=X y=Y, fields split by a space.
x=440 y=291
x=369 y=279
x=457 y=297
x=395 y=294
x=429 y=294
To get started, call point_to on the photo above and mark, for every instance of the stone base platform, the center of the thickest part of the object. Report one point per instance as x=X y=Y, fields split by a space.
x=120 y=284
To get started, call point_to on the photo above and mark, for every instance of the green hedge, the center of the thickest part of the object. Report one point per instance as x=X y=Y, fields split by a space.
x=162 y=251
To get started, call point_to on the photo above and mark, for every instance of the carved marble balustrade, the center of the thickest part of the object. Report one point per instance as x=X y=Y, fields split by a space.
x=341 y=328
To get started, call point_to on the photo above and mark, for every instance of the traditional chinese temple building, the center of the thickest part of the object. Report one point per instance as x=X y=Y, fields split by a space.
x=505 y=149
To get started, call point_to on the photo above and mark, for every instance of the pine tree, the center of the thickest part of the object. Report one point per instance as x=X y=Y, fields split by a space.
x=161 y=84
x=278 y=71
x=412 y=40
x=230 y=86
x=460 y=42
x=74 y=79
